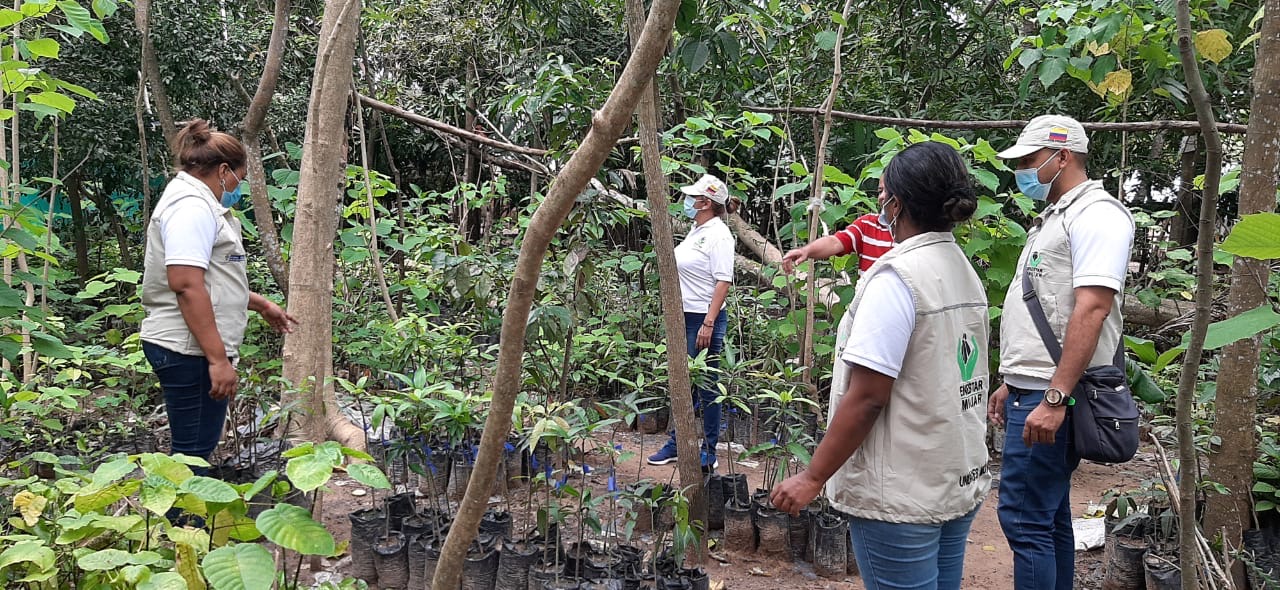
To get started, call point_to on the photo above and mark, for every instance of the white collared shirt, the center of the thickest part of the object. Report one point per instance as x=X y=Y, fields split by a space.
x=704 y=258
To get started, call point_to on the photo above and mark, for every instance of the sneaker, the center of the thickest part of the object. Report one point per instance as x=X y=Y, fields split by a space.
x=709 y=461
x=664 y=456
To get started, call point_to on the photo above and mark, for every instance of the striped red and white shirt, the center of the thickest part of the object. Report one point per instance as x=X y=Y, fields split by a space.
x=866 y=237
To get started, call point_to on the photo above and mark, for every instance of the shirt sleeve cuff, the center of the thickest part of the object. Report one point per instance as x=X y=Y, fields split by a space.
x=846 y=241
x=726 y=277
x=874 y=365
x=1112 y=283
x=187 y=262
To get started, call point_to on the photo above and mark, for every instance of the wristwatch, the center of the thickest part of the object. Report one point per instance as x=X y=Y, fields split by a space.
x=1054 y=397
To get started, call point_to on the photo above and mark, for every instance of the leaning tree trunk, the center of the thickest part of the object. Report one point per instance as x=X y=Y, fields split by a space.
x=308 y=350
x=606 y=125
x=1188 y=527
x=688 y=455
x=1237 y=400
x=253 y=124
x=151 y=74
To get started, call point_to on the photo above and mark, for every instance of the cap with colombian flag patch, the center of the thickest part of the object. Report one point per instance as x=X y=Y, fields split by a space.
x=1048 y=131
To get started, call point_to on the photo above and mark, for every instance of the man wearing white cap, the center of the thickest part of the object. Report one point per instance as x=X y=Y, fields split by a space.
x=1076 y=256
x=705 y=262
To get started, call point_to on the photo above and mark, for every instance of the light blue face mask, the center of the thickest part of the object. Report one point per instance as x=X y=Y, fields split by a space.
x=884 y=218
x=230 y=198
x=1028 y=180
x=689 y=211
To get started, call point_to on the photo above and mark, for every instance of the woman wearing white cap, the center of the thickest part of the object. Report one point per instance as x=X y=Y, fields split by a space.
x=705 y=262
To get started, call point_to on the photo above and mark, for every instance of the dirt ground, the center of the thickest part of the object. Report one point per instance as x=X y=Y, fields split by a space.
x=988 y=561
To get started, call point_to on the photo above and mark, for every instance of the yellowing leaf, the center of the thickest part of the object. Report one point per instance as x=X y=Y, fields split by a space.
x=1096 y=50
x=1213 y=45
x=1118 y=82
x=30 y=506
x=1098 y=90
x=189 y=567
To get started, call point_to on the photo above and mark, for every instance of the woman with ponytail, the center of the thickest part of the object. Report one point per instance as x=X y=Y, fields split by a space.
x=195 y=289
x=905 y=452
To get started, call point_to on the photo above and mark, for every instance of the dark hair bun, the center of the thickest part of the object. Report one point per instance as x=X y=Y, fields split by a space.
x=197 y=131
x=732 y=205
x=960 y=203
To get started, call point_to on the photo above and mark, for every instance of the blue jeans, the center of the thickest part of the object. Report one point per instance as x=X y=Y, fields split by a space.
x=900 y=556
x=704 y=398
x=1035 y=499
x=195 y=418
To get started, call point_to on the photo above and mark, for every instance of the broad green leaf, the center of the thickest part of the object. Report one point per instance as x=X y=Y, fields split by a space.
x=356 y=454
x=167 y=467
x=197 y=539
x=79 y=18
x=1255 y=236
x=835 y=175
x=163 y=581
x=103 y=9
x=266 y=480
x=1051 y=69
x=27 y=552
x=309 y=472
x=51 y=347
x=293 y=528
x=1145 y=349
x=190 y=461
x=109 y=559
x=790 y=188
x=95 y=498
x=369 y=475
x=10 y=17
x=1213 y=45
x=825 y=40
x=158 y=494
x=239 y=567
x=209 y=489
x=43 y=48
x=53 y=99
x=1245 y=325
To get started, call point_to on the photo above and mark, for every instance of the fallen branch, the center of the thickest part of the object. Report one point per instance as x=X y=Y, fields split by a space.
x=443 y=127
x=1234 y=128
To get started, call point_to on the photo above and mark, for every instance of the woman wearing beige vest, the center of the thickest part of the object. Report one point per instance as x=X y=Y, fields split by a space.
x=195 y=289
x=905 y=452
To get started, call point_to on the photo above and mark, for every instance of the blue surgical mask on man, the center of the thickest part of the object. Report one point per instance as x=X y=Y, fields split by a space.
x=1028 y=180
x=689 y=211
x=231 y=197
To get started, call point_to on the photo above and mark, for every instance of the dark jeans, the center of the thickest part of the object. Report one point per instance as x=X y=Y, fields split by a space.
x=195 y=418
x=704 y=398
x=1035 y=499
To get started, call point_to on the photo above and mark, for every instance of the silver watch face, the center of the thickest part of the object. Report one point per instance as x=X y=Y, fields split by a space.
x=1053 y=397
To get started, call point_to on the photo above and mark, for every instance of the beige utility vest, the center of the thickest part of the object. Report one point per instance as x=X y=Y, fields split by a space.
x=925 y=459
x=226 y=279
x=1047 y=257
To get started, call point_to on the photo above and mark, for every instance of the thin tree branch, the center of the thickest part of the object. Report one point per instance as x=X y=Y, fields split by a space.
x=1231 y=128
x=443 y=127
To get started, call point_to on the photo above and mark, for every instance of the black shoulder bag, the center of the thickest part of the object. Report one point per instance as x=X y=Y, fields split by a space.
x=1104 y=419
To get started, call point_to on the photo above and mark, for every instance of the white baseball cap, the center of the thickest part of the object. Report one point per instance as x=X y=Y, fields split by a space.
x=710 y=187
x=1048 y=131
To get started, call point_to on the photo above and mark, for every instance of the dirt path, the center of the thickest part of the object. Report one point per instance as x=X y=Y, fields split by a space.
x=988 y=560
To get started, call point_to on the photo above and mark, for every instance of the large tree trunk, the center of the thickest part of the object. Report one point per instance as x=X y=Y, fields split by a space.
x=308 y=350
x=1189 y=479
x=606 y=126
x=151 y=73
x=688 y=446
x=1237 y=400
x=253 y=124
